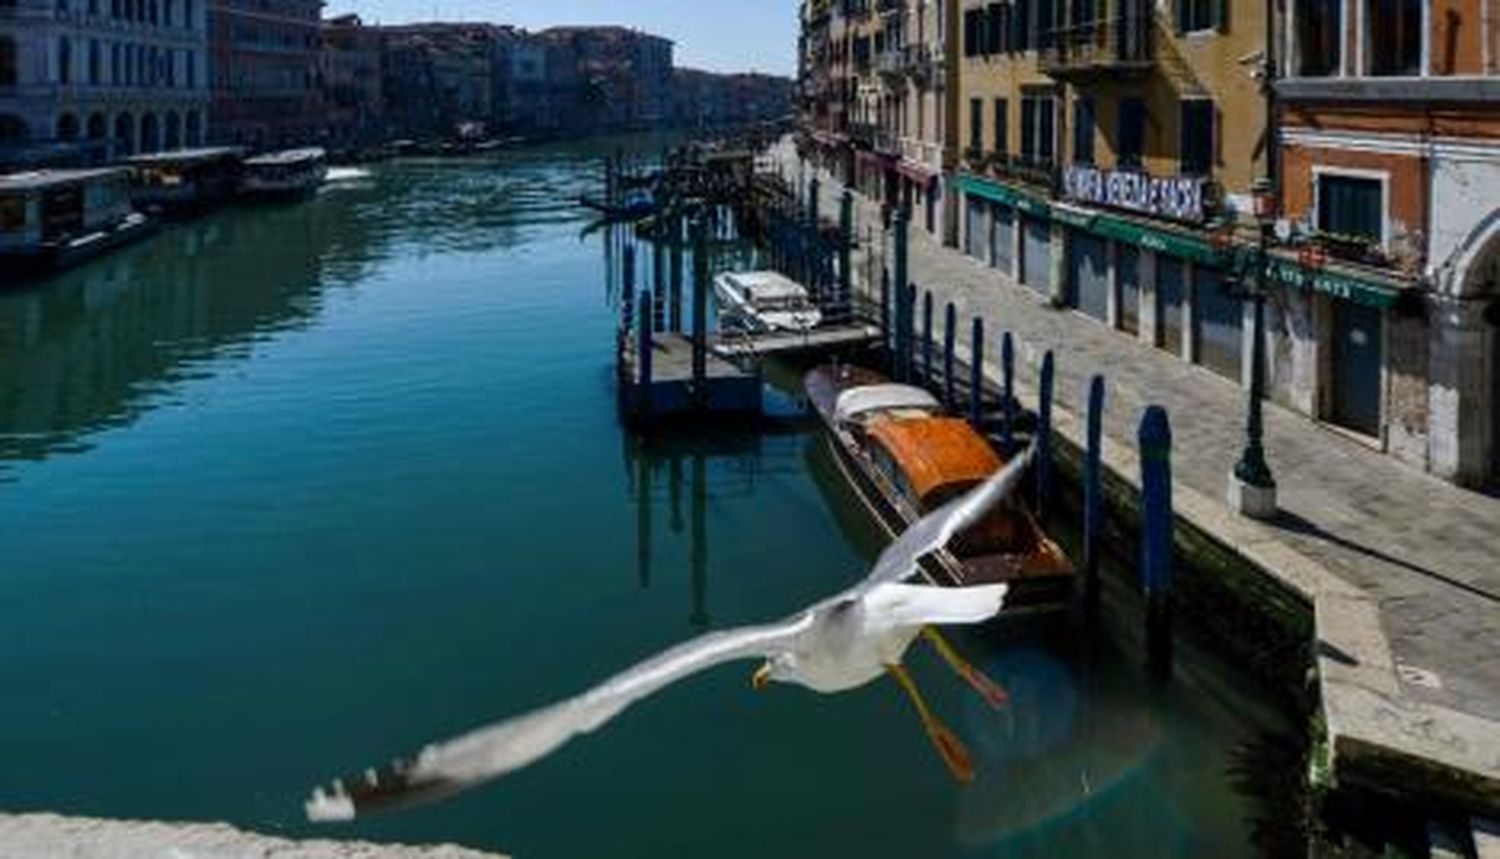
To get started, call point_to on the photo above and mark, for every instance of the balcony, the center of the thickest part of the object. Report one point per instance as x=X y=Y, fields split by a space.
x=890 y=64
x=1121 y=45
x=919 y=64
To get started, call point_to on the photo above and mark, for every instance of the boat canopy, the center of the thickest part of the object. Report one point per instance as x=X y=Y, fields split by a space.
x=176 y=157
x=860 y=401
x=937 y=453
x=38 y=180
x=287 y=157
x=764 y=285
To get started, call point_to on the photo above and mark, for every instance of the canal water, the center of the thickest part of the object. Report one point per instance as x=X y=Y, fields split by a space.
x=288 y=491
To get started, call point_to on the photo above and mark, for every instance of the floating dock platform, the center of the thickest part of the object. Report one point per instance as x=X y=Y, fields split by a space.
x=664 y=385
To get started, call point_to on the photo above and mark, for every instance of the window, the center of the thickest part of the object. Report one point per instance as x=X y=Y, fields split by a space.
x=1352 y=207
x=1132 y=137
x=1196 y=142
x=1083 y=131
x=1395 y=37
x=1196 y=15
x=1044 y=24
x=976 y=124
x=1002 y=126
x=8 y=75
x=997 y=27
x=1021 y=31
x=190 y=72
x=973 y=32
x=64 y=61
x=96 y=62
x=1038 y=129
x=1320 y=30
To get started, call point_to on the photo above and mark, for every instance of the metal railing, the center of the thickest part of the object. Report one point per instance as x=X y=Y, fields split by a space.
x=1114 y=44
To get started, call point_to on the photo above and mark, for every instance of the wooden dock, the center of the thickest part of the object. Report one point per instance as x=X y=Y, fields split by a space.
x=664 y=386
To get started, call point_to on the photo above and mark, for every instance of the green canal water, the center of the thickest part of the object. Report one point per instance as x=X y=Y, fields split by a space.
x=287 y=491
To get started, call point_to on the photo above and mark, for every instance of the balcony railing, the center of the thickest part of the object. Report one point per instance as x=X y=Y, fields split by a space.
x=1118 y=45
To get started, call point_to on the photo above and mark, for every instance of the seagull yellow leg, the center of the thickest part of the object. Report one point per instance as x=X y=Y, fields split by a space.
x=993 y=693
x=952 y=751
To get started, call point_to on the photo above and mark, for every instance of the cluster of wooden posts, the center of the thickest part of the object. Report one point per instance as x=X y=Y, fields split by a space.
x=914 y=359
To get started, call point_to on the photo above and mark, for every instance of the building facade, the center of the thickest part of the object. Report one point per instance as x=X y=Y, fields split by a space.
x=609 y=77
x=440 y=77
x=350 y=72
x=91 y=80
x=1390 y=146
x=265 y=59
x=1106 y=154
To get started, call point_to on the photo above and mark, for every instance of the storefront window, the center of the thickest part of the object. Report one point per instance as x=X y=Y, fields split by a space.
x=1128 y=272
x=1170 y=292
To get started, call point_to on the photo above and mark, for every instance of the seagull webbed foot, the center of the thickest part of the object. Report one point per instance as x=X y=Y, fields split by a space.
x=993 y=693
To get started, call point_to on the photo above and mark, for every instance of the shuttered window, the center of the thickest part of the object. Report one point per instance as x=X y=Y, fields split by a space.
x=976 y=124
x=1197 y=137
x=1132 y=133
x=1196 y=15
x=1351 y=206
x=1083 y=131
x=1002 y=126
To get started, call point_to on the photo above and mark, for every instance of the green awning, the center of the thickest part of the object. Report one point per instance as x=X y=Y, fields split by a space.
x=1004 y=194
x=1161 y=241
x=1341 y=285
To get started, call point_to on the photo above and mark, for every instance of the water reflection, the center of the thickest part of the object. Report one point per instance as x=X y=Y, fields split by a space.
x=96 y=347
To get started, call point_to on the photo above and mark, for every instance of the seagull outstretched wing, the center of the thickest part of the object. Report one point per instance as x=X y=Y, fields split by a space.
x=487 y=753
x=932 y=532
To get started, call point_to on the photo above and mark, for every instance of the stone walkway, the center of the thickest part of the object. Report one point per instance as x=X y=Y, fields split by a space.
x=50 y=836
x=1423 y=557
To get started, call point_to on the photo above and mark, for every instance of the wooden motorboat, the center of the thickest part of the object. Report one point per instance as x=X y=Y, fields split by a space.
x=765 y=301
x=288 y=175
x=905 y=457
x=52 y=219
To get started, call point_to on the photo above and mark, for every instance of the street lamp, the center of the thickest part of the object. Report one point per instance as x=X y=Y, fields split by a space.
x=1252 y=489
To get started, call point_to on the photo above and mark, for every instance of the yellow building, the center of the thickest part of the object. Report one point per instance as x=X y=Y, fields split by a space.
x=1109 y=148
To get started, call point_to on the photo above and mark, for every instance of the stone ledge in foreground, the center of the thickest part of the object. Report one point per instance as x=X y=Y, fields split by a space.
x=51 y=836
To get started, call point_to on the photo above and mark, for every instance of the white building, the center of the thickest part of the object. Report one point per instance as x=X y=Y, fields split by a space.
x=104 y=77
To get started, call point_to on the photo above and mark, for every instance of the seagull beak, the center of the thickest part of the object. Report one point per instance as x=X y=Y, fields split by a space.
x=762 y=678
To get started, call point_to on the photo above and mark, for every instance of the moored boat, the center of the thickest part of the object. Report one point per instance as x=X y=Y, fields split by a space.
x=51 y=219
x=905 y=457
x=186 y=180
x=765 y=301
x=287 y=175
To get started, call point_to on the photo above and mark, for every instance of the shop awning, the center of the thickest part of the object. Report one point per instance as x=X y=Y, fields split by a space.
x=1153 y=239
x=1005 y=194
x=1370 y=291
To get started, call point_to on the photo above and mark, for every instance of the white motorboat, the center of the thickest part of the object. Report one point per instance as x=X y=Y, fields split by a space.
x=765 y=301
x=285 y=175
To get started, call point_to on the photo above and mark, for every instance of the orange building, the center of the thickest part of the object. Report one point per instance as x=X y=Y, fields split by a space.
x=1389 y=117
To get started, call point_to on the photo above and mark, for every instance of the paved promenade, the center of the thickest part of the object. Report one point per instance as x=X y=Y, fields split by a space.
x=1404 y=569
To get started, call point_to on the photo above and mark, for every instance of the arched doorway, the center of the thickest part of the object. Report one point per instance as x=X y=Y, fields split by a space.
x=174 y=130
x=97 y=129
x=124 y=135
x=67 y=128
x=194 y=129
x=150 y=133
x=12 y=128
x=1476 y=282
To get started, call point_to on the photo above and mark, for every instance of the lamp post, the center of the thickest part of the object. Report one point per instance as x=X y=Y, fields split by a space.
x=1252 y=488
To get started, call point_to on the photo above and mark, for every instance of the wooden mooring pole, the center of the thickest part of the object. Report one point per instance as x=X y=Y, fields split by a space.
x=676 y=265
x=1044 y=437
x=950 y=337
x=1093 y=495
x=700 y=310
x=976 y=374
x=927 y=338
x=645 y=347
x=1008 y=393
x=1155 y=439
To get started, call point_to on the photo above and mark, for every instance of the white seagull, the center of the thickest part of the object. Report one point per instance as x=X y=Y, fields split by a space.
x=839 y=644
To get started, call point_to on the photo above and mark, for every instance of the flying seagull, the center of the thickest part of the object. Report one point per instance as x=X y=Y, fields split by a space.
x=839 y=644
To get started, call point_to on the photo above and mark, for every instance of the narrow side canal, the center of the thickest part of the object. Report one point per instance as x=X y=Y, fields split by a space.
x=286 y=491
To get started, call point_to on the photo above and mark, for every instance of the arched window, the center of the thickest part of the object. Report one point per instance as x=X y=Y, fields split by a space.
x=194 y=129
x=124 y=135
x=150 y=133
x=64 y=61
x=67 y=127
x=8 y=62
x=97 y=127
x=174 y=130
